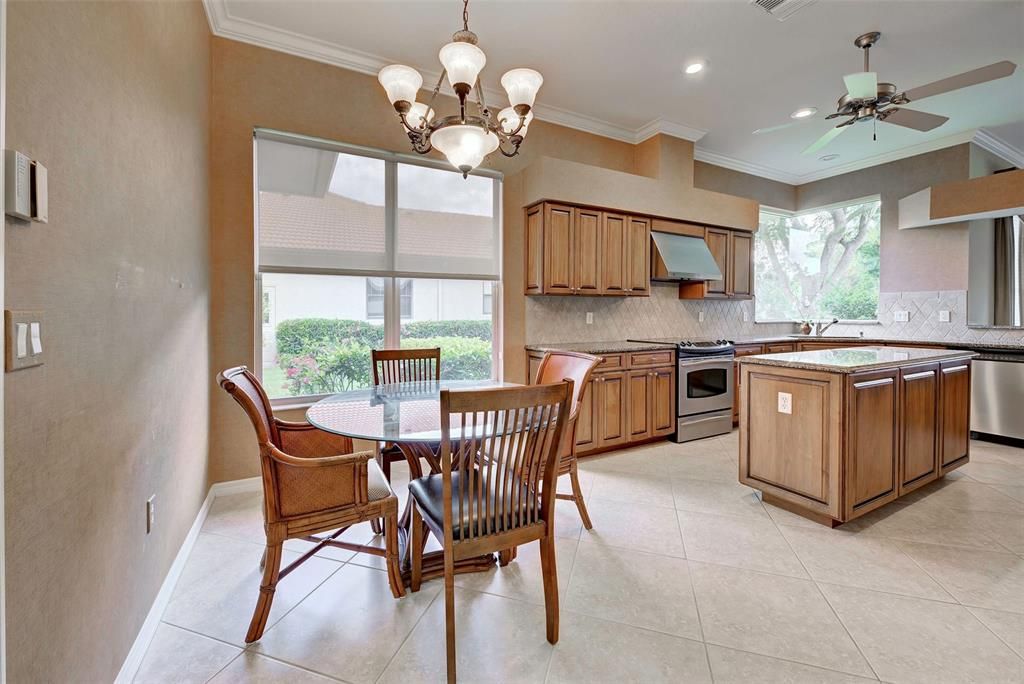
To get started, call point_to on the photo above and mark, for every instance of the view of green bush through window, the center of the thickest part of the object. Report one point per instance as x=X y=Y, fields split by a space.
x=819 y=264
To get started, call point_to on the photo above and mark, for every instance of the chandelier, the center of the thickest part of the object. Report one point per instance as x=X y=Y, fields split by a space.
x=464 y=138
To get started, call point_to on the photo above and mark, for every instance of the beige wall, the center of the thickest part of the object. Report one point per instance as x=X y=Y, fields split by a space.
x=912 y=260
x=768 y=192
x=112 y=97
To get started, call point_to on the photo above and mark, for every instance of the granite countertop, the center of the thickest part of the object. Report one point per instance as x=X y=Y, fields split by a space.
x=602 y=347
x=855 y=360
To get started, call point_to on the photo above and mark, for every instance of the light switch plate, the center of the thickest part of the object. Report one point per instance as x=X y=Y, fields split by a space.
x=785 y=403
x=901 y=316
x=13 y=320
x=700 y=316
x=944 y=316
x=590 y=318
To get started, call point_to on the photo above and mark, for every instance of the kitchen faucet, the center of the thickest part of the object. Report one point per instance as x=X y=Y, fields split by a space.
x=820 y=328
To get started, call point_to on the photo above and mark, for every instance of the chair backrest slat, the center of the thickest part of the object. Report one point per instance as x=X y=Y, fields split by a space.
x=406 y=365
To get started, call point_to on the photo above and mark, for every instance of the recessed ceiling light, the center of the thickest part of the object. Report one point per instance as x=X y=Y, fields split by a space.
x=695 y=67
x=829 y=157
x=803 y=113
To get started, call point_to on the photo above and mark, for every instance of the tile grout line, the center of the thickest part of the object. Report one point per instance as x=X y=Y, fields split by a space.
x=572 y=568
x=693 y=592
x=411 y=631
x=971 y=609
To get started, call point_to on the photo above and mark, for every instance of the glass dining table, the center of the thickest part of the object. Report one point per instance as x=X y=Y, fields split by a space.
x=408 y=415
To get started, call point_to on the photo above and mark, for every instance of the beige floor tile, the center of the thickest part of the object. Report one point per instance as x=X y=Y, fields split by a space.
x=990 y=452
x=177 y=656
x=329 y=552
x=497 y=640
x=521 y=579
x=783 y=517
x=964 y=495
x=772 y=615
x=1015 y=493
x=217 y=591
x=995 y=473
x=915 y=640
x=705 y=496
x=638 y=589
x=1007 y=626
x=237 y=515
x=640 y=459
x=591 y=650
x=708 y=465
x=1006 y=528
x=348 y=628
x=926 y=524
x=976 y=578
x=742 y=542
x=651 y=490
x=252 y=668
x=730 y=666
x=636 y=526
x=861 y=561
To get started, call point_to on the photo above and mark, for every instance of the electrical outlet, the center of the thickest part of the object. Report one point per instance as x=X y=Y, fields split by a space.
x=785 y=403
x=901 y=316
x=150 y=513
x=590 y=318
x=944 y=316
x=746 y=316
x=700 y=316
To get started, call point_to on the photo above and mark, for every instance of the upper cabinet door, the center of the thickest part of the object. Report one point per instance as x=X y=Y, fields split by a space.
x=614 y=264
x=718 y=242
x=535 y=250
x=638 y=256
x=558 y=239
x=742 y=261
x=587 y=252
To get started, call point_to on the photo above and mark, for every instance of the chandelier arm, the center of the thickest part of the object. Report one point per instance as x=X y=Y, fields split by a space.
x=437 y=89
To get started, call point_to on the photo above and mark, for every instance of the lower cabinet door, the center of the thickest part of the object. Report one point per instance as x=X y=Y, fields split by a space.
x=663 y=402
x=639 y=414
x=586 y=421
x=919 y=426
x=610 y=404
x=872 y=447
x=955 y=390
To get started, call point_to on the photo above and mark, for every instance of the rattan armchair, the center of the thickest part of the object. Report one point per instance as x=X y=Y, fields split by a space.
x=312 y=482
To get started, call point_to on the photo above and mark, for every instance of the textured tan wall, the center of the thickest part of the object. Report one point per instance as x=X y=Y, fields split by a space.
x=768 y=192
x=932 y=258
x=112 y=97
x=253 y=87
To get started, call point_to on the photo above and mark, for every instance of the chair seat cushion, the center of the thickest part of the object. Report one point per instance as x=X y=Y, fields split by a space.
x=377 y=486
x=429 y=495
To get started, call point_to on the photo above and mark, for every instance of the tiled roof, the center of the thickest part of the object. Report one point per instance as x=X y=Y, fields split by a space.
x=336 y=223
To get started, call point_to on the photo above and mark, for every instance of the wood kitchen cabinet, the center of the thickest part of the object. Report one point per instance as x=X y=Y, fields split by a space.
x=741 y=350
x=955 y=384
x=574 y=250
x=610 y=403
x=733 y=252
x=872 y=440
x=919 y=434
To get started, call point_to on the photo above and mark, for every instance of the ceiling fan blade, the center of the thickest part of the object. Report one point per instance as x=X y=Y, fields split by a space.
x=825 y=139
x=772 y=129
x=910 y=118
x=862 y=85
x=968 y=78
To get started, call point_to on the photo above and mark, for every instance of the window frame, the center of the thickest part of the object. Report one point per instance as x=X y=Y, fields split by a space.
x=790 y=213
x=392 y=295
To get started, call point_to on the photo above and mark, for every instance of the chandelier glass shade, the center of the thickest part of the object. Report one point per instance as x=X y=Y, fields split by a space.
x=467 y=137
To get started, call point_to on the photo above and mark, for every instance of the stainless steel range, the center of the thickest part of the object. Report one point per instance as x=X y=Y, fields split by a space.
x=704 y=388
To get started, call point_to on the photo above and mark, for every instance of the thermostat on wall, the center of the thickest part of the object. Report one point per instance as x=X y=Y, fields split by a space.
x=25 y=194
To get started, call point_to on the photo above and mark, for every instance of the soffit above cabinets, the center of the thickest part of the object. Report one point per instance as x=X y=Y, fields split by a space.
x=617 y=71
x=1001 y=194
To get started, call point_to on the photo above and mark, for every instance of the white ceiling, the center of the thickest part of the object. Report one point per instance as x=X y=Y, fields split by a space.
x=613 y=68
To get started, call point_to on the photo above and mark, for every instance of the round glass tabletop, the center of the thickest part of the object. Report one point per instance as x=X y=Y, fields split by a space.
x=402 y=412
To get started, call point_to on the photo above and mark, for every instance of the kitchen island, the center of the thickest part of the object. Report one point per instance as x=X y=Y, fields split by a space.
x=833 y=434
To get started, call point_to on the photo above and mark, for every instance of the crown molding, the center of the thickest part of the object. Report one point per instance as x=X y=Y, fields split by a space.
x=224 y=25
x=999 y=147
x=709 y=157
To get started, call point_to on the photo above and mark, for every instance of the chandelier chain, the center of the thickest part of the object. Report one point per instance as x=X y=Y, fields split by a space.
x=465 y=15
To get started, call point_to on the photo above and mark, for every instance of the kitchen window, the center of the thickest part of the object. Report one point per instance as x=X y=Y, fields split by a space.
x=818 y=264
x=359 y=249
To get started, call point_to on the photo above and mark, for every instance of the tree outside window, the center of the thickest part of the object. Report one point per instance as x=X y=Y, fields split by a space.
x=818 y=264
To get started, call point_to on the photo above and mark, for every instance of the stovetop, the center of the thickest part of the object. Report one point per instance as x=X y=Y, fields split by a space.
x=695 y=347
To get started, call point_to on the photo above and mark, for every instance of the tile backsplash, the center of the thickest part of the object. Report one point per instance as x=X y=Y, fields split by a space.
x=563 y=319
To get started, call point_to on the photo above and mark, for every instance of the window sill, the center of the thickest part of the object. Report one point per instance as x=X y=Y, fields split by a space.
x=840 y=322
x=294 y=403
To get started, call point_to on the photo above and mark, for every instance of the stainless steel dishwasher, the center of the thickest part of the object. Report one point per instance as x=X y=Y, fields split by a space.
x=997 y=395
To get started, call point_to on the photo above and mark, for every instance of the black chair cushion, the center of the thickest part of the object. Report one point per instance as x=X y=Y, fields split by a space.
x=429 y=494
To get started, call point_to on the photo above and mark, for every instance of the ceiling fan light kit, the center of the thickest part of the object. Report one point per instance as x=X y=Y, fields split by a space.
x=465 y=138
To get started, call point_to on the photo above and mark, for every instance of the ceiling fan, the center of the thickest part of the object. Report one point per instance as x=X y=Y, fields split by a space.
x=867 y=99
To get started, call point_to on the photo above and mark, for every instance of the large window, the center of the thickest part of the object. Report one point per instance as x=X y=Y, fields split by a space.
x=360 y=249
x=818 y=264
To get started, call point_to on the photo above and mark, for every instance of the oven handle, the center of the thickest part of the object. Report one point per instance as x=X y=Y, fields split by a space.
x=698 y=363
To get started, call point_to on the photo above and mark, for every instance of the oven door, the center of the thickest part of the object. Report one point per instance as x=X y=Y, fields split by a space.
x=705 y=385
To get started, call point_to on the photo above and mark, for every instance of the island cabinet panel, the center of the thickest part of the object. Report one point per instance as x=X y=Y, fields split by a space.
x=558 y=248
x=639 y=415
x=872 y=440
x=955 y=384
x=587 y=252
x=614 y=265
x=919 y=430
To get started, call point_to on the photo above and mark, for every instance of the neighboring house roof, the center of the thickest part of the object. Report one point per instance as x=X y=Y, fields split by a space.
x=336 y=223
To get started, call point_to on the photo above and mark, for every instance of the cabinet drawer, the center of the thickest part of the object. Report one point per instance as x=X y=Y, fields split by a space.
x=748 y=349
x=780 y=347
x=651 y=359
x=610 y=362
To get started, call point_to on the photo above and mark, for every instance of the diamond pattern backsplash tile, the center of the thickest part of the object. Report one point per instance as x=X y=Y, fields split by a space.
x=553 y=320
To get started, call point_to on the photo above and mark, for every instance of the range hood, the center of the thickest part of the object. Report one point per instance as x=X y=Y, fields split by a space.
x=681 y=257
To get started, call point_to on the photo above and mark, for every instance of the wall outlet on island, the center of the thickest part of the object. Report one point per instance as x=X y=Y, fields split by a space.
x=944 y=316
x=785 y=402
x=590 y=318
x=700 y=316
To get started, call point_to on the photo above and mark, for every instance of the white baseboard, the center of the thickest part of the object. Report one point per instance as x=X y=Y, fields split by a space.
x=134 y=660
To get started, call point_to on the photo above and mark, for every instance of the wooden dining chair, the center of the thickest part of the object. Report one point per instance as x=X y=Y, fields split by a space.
x=312 y=482
x=576 y=366
x=495 y=491
x=401 y=365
